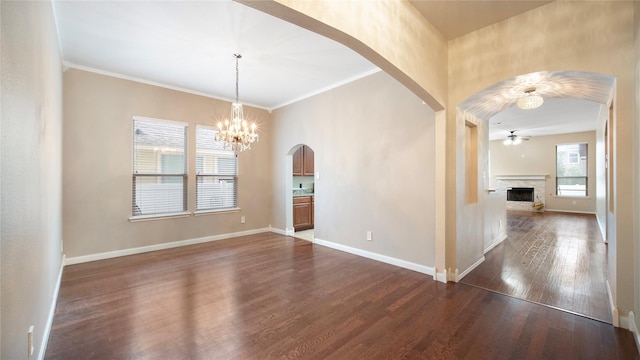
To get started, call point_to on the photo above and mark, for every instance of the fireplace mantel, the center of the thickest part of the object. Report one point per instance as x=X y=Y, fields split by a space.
x=521 y=177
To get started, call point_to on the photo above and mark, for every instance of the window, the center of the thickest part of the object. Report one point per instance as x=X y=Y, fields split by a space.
x=573 y=158
x=571 y=169
x=216 y=173
x=159 y=174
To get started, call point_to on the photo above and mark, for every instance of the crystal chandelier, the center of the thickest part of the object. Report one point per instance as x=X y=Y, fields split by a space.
x=530 y=101
x=236 y=134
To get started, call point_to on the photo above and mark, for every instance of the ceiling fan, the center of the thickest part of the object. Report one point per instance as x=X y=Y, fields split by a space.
x=513 y=139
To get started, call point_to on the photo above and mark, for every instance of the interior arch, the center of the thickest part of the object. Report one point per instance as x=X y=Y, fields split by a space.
x=487 y=103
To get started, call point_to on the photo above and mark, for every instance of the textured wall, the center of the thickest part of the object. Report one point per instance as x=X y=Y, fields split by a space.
x=637 y=167
x=98 y=113
x=592 y=36
x=31 y=215
x=374 y=148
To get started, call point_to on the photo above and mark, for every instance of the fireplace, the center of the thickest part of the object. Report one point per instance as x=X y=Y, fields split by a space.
x=520 y=194
x=515 y=182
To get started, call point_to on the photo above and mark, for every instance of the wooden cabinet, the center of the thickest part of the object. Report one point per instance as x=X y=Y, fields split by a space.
x=298 y=161
x=307 y=167
x=303 y=162
x=302 y=213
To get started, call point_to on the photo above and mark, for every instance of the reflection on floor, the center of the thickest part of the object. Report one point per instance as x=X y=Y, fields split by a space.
x=304 y=234
x=555 y=259
x=270 y=296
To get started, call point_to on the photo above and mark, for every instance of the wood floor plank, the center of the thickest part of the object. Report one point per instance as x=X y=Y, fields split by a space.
x=556 y=259
x=267 y=296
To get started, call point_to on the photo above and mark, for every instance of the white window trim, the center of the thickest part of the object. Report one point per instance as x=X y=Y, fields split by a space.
x=587 y=188
x=159 y=216
x=186 y=213
x=216 y=211
x=174 y=122
x=209 y=211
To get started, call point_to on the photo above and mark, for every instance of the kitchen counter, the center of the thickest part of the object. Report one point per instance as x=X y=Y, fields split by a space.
x=302 y=192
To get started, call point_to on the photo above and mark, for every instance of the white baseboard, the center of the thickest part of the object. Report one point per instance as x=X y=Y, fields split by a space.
x=52 y=311
x=278 y=231
x=571 y=212
x=634 y=329
x=496 y=243
x=290 y=232
x=163 y=246
x=624 y=322
x=439 y=275
x=614 y=310
x=374 y=256
x=470 y=269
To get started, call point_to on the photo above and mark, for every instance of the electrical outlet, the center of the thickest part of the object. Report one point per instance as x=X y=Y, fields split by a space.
x=30 y=341
x=242 y=220
x=369 y=235
x=573 y=202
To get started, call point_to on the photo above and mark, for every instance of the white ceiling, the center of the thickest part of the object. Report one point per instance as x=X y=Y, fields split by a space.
x=189 y=46
x=555 y=116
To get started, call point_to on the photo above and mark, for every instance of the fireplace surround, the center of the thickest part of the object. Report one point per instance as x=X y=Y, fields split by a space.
x=522 y=202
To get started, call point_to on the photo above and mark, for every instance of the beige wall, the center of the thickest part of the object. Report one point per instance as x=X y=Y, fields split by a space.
x=31 y=215
x=98 y=113
x=538 y=157
x=637 y=167
x=374 y=148
x=404 y=44
x=594 y=36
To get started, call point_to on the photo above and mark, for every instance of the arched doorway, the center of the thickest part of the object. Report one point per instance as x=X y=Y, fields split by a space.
x=300 y=192
x=481 y=110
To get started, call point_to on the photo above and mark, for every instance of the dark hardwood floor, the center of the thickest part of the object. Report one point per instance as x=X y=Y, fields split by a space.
x=556 y=259
x=268 y=296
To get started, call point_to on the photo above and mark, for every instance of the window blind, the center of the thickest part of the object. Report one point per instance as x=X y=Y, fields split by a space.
x=159 y=171
x=216 y=172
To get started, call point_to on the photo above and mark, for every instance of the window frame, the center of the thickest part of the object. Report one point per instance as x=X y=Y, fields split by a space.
x=558 y=191
x=215 y=175
x=135 y=174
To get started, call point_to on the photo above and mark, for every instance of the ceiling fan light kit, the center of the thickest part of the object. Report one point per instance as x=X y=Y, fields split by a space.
x=513 y=139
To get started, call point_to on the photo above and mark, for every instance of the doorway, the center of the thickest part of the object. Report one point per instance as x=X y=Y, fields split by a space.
x=554 y=256
x=301 y=222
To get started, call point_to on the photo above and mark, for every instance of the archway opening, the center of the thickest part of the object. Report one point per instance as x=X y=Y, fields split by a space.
x=300 y=190
x=533 y=161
